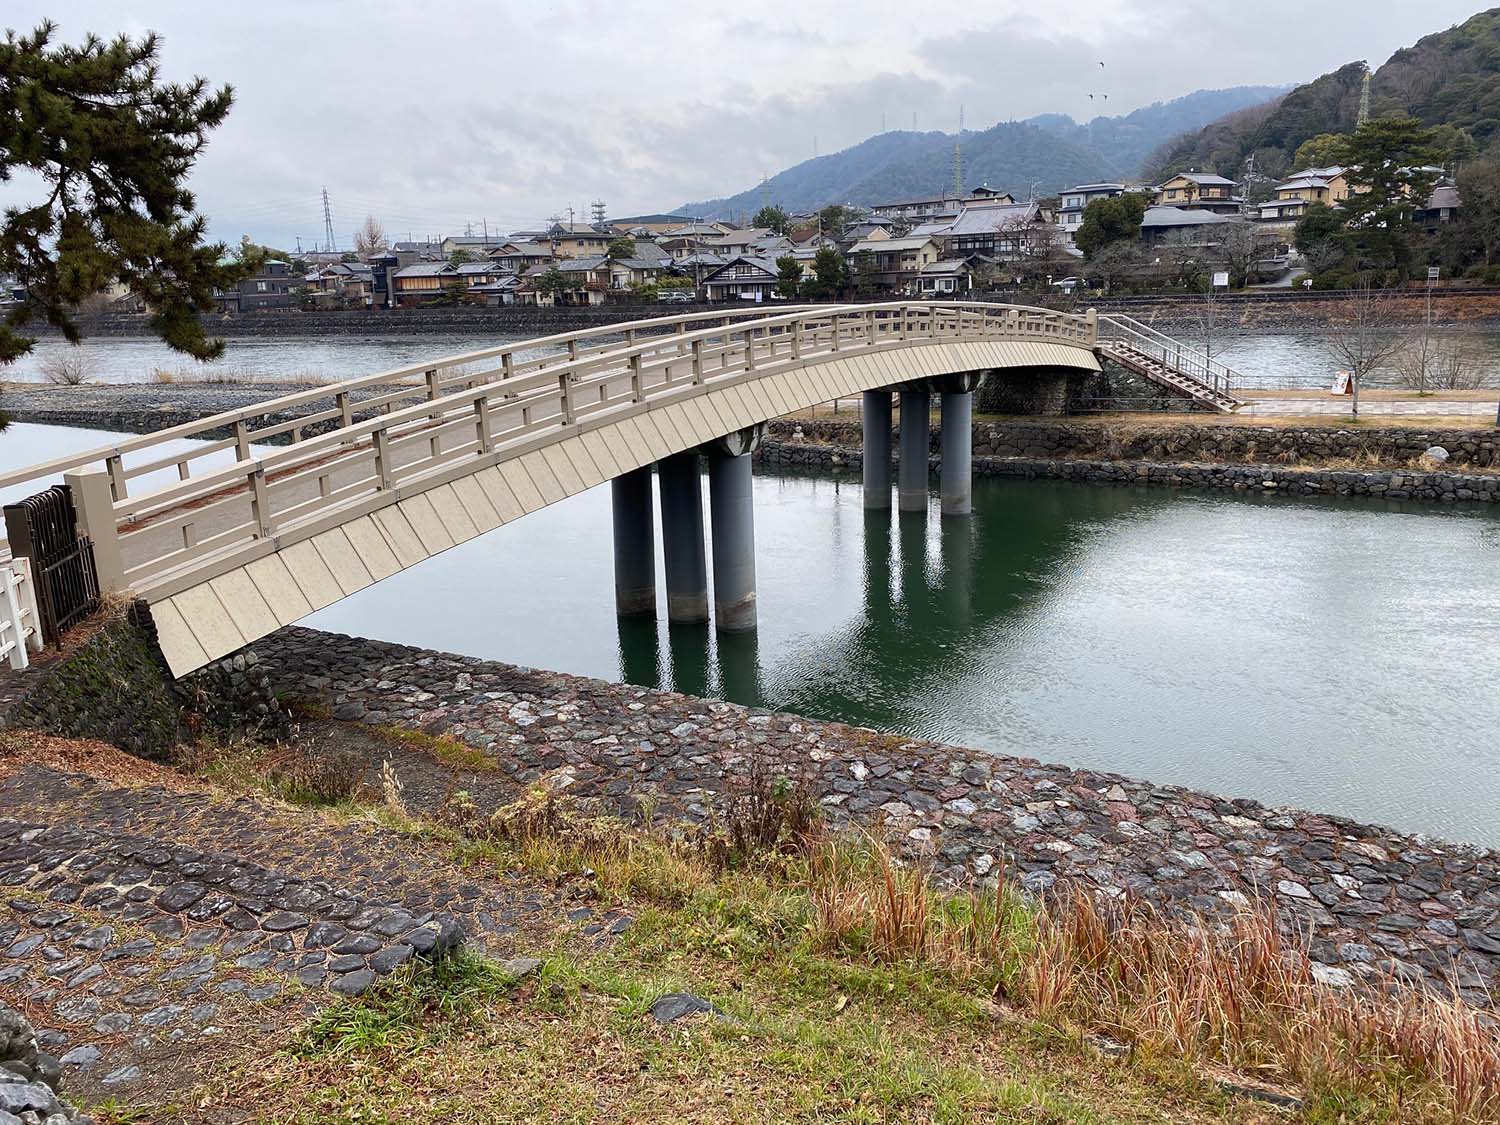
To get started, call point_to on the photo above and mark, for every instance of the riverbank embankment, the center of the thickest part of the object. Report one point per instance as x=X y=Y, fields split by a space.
x=1249 y=310
x=1367 y=899
x=1310 y=461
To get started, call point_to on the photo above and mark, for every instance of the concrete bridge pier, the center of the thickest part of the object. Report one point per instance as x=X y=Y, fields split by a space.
x=916 y=414
x=877 y=449
x=635 y=543
x=682 y=538
x=957 y=472
x=732 y=512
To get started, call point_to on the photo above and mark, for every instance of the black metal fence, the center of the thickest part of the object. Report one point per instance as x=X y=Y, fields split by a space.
x=44 y=528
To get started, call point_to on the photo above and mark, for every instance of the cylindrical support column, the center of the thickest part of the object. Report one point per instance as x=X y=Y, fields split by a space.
x=877 y=449
x=957 y=472
x=635 y=544
x=682 y=538
x=732 y=511
x=916 y=421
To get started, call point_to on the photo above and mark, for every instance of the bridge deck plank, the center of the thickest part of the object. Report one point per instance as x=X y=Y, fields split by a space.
x=450 y=509
x=252 y=616
x=542 y=476
x=311 y=574
x=280 y=590
x=372 y=548
x=404 y=542
x=424 y=521
x=477 y=504
x=526 y=492
x=500 y=495
x=342 y=560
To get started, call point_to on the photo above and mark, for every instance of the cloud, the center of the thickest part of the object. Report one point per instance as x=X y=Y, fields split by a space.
x=435 y=115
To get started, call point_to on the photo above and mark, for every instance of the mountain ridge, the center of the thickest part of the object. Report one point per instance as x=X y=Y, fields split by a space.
x=1049 y=150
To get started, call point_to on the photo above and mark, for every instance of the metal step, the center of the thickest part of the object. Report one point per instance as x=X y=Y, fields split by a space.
x=1179 y=382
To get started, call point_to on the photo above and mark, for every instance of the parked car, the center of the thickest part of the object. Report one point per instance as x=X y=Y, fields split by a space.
x=675 y=297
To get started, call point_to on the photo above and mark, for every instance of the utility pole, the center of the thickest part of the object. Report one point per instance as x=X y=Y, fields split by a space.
x=958 y=158
x=328 y=220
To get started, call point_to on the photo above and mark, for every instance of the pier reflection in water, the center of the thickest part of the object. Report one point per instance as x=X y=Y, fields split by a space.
x=1326 y=654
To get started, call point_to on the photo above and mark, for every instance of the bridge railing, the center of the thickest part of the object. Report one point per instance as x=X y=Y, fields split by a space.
x=1170 y=352
x=486 y=406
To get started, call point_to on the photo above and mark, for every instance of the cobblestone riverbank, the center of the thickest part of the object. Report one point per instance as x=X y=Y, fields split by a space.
x=1368 y=899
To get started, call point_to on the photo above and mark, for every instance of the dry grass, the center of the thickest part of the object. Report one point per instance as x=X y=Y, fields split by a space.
x=1233 y=993
x=1238 y=993
x=235 y=377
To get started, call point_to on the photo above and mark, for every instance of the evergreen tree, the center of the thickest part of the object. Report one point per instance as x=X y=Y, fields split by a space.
x=1386 y=161
x=788 y=276
x=114 y=146
x=774 y=217
x=621 y=248
x=1106 y=221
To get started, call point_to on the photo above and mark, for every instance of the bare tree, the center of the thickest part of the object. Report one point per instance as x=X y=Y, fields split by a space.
x=1239 y=245
x=67 y=368
x=1365 y=334
x=369 y=239
x=1184 y=255
x=1456 y=367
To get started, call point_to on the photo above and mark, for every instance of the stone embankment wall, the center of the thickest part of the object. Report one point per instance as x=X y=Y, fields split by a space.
x=1362 y=899
x=1245 y=444
x=114 y=686
x=513 y=320
x=30 y=1079
x=1269 y=479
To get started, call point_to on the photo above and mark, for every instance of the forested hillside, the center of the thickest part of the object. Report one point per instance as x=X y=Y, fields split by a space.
x=1449 y=78
x=1051 y=151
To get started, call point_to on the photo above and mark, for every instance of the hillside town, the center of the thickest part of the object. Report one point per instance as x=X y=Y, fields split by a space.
x=1186 y=228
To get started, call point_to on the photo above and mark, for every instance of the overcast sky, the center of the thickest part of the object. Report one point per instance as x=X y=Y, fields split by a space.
x=435 y=113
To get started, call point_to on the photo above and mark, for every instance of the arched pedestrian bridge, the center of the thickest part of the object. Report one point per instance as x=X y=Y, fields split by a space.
x=230 y=538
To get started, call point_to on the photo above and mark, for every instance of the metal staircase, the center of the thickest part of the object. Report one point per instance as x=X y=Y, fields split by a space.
x=1167 y=362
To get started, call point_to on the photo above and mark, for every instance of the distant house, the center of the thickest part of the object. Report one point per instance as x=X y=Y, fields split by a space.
x=1442 y=207
x=742 y=279
x=755 y=242
x=274 y=286
x=342 y=284
x=477 y=245
x=578 y=240
x=421 y=281
x=1001 y=231
x=1160 y=222
x=502 y=291
x=409 y=252
x=654 y=224
x=588 y=279
x=643 y=268
x=932 y=206
x=1200 y=191
x=897 y=263
x=1075 y=201
x=518 y=257
x=859 y=232
x=948 y=277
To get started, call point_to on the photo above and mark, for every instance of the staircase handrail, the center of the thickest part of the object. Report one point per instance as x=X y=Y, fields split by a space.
x=1171 y=352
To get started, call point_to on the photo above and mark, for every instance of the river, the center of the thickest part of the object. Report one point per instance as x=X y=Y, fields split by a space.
x=1332 y=655
x=1265 y=359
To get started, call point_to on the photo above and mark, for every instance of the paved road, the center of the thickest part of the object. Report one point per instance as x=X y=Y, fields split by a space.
x=1331 y=405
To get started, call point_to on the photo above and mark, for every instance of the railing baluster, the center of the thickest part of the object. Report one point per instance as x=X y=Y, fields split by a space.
x=482 y=424
x=383 y=467
x=260 y=505
x=697 y=359
x=565 y=393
